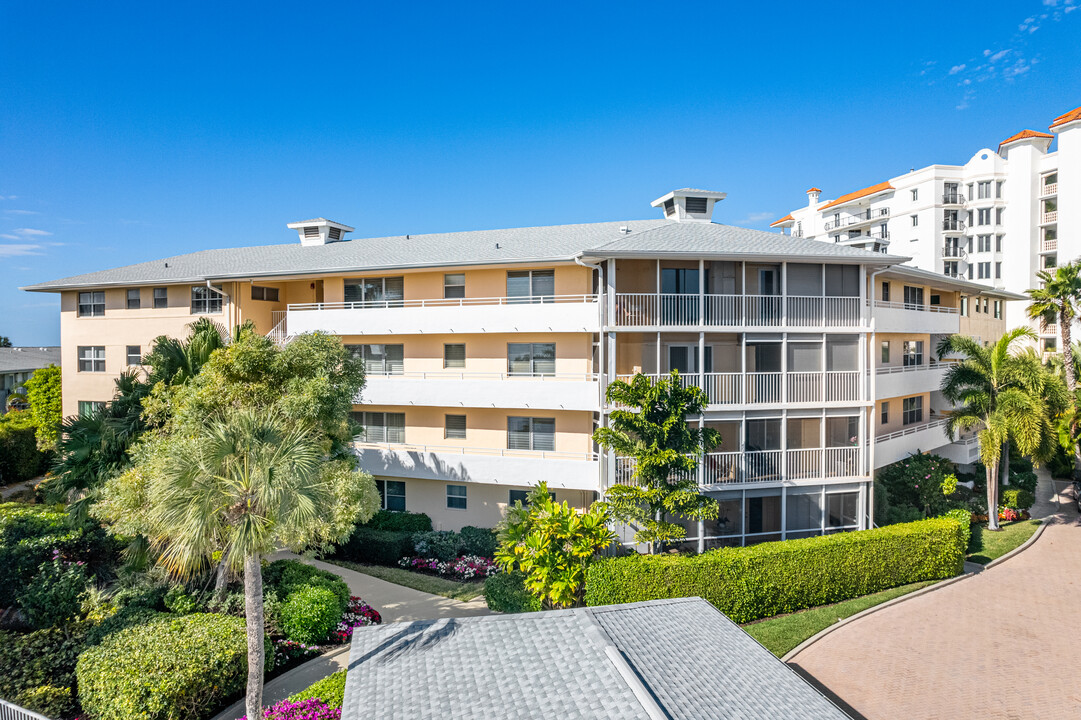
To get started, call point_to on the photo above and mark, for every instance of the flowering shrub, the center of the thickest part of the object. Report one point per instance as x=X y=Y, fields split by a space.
x=1010 y=514
x=309 y=709
x=467 y=567
x=358 y=614
x=55 y=594
x=286 y=651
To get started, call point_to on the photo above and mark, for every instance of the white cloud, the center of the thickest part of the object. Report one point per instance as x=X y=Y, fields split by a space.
x=957 y=68
x=9 y=236
x=9 y=197
x=755 y=217
x=21 y=249
x=21 y=212
x=31 y=232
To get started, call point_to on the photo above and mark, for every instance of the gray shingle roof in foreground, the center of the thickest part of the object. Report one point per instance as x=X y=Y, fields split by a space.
x=22 y=359
x=478 y=247
x=660 y=659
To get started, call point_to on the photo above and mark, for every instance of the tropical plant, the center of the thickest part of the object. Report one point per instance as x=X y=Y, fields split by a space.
x=5 y=341
x=246 y=483
x=1057 y=300
x=552 y=545
x=651 y=426
x=1006 y=395
x=46 y=407
x=174 y=361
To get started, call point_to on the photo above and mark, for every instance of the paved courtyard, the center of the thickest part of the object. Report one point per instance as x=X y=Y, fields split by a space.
x=1000 y=644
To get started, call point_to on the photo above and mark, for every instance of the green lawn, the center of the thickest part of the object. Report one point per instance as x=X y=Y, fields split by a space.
x=784 y=632
x=425 y=583
x=987 y=546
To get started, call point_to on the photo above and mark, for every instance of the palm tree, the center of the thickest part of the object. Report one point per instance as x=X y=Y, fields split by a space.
x=1057 y=300
x=247 y=483
x=1007 y=396
x=175 y=361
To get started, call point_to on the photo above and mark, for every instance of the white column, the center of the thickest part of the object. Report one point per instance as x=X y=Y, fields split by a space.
x=784 y=294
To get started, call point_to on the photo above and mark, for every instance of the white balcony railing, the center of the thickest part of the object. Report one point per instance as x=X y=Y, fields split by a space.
x=770 y=387
x=912 y=430
x=500 y=452
x=671 y=309
x=720 y=468
x=1050 y=217
x=443 y=302
x=916 y=307
x=1049 y=245
x=449 y=388
x=1049 y=189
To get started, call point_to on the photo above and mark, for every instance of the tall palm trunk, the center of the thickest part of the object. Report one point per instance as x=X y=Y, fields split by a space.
x=253 y=609
x=1071 y=383
x=1004 y=470
x=992 y=498
x=221 y=579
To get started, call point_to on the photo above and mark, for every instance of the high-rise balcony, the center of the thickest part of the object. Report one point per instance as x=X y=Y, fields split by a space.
x=909 y=379
x=517 y=468
x=1051 y=216
x=763 y=466
x=923 y=437
x=864 y=216
x=734 y=311
x=1049 y=245
x=447 y=388
x=950 y=224
x=913 y=317
x=549 y=313
x=1049 y=189
x=771 y=388
x=953 y=198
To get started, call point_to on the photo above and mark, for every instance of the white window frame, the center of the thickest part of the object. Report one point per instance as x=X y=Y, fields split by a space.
x=453 y=285
x=456 y=493
x=94 y=301
x=532 y=423
x=205 y=300
x=91 y=358
x=138 y=355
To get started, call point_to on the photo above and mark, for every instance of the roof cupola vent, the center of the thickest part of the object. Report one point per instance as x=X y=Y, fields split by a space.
x=319 y=231
x=689 y=204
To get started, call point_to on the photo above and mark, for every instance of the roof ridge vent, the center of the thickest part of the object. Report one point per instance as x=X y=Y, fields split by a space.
x=319 y=231
x=689 y=204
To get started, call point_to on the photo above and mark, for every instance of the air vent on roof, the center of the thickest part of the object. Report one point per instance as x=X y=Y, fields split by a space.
x=689 y=204
x=311 y=231
x=319 y=231
x=669 y=207
x=335 y=233
x=696 y=205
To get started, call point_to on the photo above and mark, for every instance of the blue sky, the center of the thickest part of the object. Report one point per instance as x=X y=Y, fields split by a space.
x=132 y=131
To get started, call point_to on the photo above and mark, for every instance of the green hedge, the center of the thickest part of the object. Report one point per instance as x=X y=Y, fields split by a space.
x=37 y=669
x=505 y=593
x=172 y=668
x=20 y=458
x=309 y=614
x=399 y=521
x=288 y=576
x=1018 y=499
x=760 y=581
x=377 y=547
x=330 y=690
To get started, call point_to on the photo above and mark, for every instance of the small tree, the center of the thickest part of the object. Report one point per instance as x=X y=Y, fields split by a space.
x=5 y=341
x=552 y=545
x=46 y=407
x=667 y=449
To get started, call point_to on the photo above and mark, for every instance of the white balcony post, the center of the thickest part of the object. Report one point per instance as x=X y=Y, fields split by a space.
x=784 y=509
x=822 y=444
x=784 y=454
x=784 y=294
x=743 y=291
x=784 y=367
x=701 y=296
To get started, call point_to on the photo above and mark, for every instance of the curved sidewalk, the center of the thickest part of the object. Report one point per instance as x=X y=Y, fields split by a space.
x=393 y=602
x=999 y=644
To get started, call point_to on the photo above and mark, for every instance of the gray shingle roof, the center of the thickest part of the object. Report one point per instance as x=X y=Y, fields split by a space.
x=23 y=359
x=661 y=659
x=531 y=244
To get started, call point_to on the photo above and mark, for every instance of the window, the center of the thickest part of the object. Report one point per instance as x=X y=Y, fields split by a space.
x=983 y=189
x=970 y=191
x=204 y=300
x=964 y=306
x=912 y=410
x=984 y=216
x=915 y=194
x=454 y=355
x=977 y=304
x=998 y=309
x=91 y=304
x=258 y=292
x=454 y=285
x=532 y=359
x=998 y=189
x=949 y=267
x=986 y=305
x=456 y=497
x=970 y=271
x=885 y=413
x=998 y=243
x=161 y=298
x=998 y=215
x=92 y=358
x=912 y=354
x=380 y=359
x=842 y=510
x=89 y=407
x=133 y=298
x=454 y=427
x=885 y=352
x=984 y=271
x=522 y=496
x=669 y=207
x=534 y=284
x=134 y=355
x=696 y=205
x=936 y=300
x=525 y=433
x=391 y=494
x=885 y=292
x=913 y=297
x=375 y=292
x=998 y=272
x=382 y=427
x=983 y=243
x=915 y=220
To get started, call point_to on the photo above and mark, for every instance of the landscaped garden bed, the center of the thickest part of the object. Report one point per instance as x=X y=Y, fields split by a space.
x=986 y=546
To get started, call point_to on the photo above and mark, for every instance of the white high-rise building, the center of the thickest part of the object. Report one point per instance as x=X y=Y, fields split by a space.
x=997 y=220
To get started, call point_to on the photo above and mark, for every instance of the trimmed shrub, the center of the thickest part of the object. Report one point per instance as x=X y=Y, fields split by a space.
x=1017 y=499
x=964 y=518
x=309 y=614
x=172 y=668
x=55 y=594
x=37 y=669
x=1026 y=481
x=49 y=700
x=376 y=547
x=20 y=458
x=478 y=541
x=399 y=521
x=506 y=593
x=330 y=690
x=177 y=600
x=760 y=581
x=439 y=544
x=289 y=576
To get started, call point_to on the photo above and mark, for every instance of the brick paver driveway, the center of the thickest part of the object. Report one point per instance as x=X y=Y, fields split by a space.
x=1002 y=644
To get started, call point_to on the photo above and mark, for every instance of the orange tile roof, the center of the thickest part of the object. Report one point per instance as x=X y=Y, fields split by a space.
x=814 y=190
x=873 y=190
x=786 y=218
x=1024 y=135
x=1068 y=117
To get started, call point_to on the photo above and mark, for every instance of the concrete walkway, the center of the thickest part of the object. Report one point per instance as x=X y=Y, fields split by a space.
x=394 y=603
x=999 y=644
